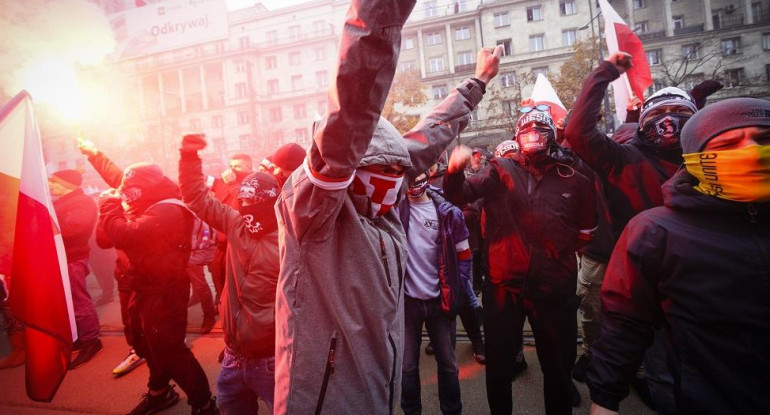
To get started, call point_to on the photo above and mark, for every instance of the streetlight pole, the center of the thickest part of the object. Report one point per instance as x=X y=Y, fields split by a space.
x=609 y=126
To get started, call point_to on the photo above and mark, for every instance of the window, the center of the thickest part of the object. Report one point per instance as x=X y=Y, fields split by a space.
x=275 y=114
x=243 y=117
x=536 y=43
x=271 y=62
x=640 y=4
x=678 y=22
x=301 y=135
x=462 y=33
x=767 y=73
x=690 y=52
x=568 y=37
x=409 y=43
x=408 y=66
x=240 y=66
x=300 y=111
x=534 y=13
x=195 y=124
x=653 y=57
x=756 y=11
x=507 y=79
x=465 y=58
x=322 y=79
x=439 y=91
x=540 y=70
x=272 y=86
x=567 y=7
x=731 y=46
x=502 y=19
x=507 y=49
x=766 y=41
x=295 y=58
x=318 y=27
x=436 y=64
x=217 y=121
x=296 y=82
x=431 y=8
x=509 y=107
x=272 y=37
x=733 y=77
x=433 y=38
x=319 y=54
x=641 y=27
x=295 y=32
x=690 y=81
x=321 y=107
x=240 y=90
x=244 y=42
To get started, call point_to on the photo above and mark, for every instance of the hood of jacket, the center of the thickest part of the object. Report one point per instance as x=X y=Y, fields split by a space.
x=387 y=147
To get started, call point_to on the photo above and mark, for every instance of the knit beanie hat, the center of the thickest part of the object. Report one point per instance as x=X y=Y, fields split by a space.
x=536 y=117
x=259 y=187
x=142 y=175
x=70 y=179
x=723 y=116
x=289 y=157
x=506 y=147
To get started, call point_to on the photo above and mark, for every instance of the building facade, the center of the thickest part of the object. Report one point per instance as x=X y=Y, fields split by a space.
x=264 y=83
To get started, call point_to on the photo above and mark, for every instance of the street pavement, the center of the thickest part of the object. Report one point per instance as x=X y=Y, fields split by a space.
x=91 y=389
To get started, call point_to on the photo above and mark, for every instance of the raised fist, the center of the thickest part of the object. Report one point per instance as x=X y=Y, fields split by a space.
x=193 y=142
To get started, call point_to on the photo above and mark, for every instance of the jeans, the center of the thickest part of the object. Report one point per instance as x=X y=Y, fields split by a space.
x=440 y=328
x=555 y=328
x=86 y=319
x=242 y=381
x=159 y=325
x=590 y=279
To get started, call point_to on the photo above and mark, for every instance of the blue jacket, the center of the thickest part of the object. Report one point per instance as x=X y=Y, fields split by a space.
x=454 y=267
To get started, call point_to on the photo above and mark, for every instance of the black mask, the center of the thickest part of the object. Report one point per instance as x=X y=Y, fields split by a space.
x=664 y=130
x=259 y=219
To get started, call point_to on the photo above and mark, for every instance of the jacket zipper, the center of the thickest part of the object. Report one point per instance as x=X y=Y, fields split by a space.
x=392 y=374
x=447 y=120
x=328 y=372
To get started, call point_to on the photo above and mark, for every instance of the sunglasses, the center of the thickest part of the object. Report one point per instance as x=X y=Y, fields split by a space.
x=527 y=109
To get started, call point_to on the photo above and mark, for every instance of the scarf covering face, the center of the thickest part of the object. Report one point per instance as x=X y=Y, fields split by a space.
x=261 y=191
x=418 y=187
x=382 y=189
x=741 y=175
x=664 y=130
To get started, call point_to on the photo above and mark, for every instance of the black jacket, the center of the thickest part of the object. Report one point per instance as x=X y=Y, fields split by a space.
x=532 y=228
x=77 y=216
x=632 y=172
x=699 y=268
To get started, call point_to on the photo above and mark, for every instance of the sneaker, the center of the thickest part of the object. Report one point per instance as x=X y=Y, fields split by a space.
x=211 y=410
x=152 y=404
x=480 y=358
x=89 y=349
x=579 y=370
x=429 y=349
x=131 y=362
x=207 y=325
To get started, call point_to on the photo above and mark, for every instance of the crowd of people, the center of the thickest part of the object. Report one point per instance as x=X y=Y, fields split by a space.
x=328 y=263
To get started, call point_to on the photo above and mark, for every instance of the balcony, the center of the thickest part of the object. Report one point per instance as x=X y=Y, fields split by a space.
x=728 y=20
x=652 y=35
x=688 y=30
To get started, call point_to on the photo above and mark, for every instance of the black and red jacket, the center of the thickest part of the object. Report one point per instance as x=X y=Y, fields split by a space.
x=77 y=216
x=632 y=172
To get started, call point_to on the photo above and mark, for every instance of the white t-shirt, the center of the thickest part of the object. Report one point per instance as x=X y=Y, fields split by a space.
x=423 y=241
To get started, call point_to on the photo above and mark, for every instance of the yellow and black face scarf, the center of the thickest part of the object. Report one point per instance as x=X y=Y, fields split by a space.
x=741 y=175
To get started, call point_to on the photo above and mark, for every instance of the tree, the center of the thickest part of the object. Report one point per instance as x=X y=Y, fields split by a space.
x=569 y=82
x=405 y=93
x=504 y=99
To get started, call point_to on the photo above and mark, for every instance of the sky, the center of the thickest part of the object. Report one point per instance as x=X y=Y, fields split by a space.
x=270 y=4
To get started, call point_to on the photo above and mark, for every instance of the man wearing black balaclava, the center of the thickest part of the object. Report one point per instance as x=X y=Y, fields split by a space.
x=539 y=212
x=632 y=173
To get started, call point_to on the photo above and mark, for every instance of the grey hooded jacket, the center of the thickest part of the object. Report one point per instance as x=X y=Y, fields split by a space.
x=339 y=308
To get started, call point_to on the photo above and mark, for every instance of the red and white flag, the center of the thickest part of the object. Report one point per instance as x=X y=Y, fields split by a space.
x=543 y=93
x=33 y=258
x=620 y=37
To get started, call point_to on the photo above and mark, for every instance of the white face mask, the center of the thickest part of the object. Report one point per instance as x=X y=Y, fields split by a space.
x=382 y=189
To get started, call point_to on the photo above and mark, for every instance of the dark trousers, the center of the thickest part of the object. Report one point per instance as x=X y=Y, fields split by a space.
x=218 y=271
x=86 y=319
x=471 y=319
x=554 y=326
x=440 y=330
x=158 y=324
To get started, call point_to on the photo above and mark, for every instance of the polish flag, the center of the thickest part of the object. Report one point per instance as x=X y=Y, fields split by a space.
x=621 y=38
x=32 y=256
x=543 y=93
